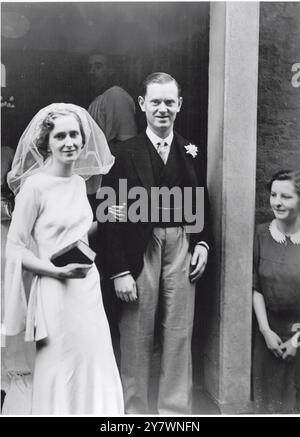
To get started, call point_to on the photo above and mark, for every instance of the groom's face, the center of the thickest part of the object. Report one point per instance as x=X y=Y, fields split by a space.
x=161 y=105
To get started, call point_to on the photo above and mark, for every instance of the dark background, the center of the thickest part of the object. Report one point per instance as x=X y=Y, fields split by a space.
x=45 y=48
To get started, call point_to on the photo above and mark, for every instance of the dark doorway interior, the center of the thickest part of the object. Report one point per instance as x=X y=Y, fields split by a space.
x=45 y=48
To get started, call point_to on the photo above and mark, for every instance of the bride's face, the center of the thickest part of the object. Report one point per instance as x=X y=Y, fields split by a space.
x=65 y=140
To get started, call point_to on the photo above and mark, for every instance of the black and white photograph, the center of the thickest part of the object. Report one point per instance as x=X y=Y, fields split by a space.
x=150 y=210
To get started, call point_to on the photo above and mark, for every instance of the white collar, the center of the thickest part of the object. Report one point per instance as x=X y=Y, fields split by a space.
x=156 y=139
x=280 y=237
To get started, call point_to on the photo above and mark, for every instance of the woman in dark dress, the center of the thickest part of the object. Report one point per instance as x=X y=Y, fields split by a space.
x=276 y=300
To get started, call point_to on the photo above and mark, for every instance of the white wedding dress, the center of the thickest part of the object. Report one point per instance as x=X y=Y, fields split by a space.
x=75 y=369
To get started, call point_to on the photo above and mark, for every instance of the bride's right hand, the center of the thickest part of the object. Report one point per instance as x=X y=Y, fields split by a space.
x=273 y=342
x=73 y=271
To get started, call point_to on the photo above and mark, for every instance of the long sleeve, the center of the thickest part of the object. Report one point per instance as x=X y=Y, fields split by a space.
x=110 y=235
x=18 y=238
x=206 y=234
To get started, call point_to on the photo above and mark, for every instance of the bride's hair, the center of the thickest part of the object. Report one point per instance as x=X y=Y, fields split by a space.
x=32 y=152
x=47 y=126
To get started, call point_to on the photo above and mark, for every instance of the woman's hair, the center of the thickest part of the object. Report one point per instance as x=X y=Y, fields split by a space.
x=47 y=126
x=286 y=175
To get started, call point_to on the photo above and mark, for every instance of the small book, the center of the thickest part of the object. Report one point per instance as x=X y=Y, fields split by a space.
x=78 y=252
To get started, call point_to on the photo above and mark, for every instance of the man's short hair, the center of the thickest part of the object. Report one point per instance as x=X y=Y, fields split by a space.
x=158 y=77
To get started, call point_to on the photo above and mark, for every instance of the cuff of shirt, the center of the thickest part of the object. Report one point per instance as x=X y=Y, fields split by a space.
x=202 y=243
x=119 y=275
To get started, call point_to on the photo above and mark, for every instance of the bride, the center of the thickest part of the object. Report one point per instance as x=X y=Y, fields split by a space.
x=75 y=370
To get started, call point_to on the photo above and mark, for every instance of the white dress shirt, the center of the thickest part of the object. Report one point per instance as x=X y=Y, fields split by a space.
x=156 y=140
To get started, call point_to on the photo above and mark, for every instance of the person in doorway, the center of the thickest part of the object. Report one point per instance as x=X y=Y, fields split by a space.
x=155 y=264
x=113 y=108
x=75 y=370
x=276 y=300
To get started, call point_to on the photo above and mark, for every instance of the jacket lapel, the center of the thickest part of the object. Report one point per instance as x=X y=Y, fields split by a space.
x=142 y=162
x=188 y=163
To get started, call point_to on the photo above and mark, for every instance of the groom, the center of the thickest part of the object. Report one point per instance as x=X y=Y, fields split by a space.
x=155 y=264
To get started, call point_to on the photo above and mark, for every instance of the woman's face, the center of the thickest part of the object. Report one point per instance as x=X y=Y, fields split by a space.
x=284 y=201
x=65 y=139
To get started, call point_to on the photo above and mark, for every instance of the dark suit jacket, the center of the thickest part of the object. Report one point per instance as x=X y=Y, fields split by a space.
x=121 y=245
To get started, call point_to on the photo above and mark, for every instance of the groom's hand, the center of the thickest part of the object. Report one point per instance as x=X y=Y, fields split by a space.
x=125 y=287
x=198 y=262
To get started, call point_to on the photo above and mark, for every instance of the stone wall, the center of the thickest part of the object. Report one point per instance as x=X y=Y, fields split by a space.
x=278 y=130
x=231 y=169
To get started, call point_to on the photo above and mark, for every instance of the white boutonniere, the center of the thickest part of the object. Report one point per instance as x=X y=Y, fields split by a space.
x=191 y=149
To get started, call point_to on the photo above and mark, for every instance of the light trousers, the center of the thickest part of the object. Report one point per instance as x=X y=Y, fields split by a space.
x=164 y=286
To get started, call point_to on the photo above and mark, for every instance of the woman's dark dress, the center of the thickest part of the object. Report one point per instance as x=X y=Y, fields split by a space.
x=277 y=277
